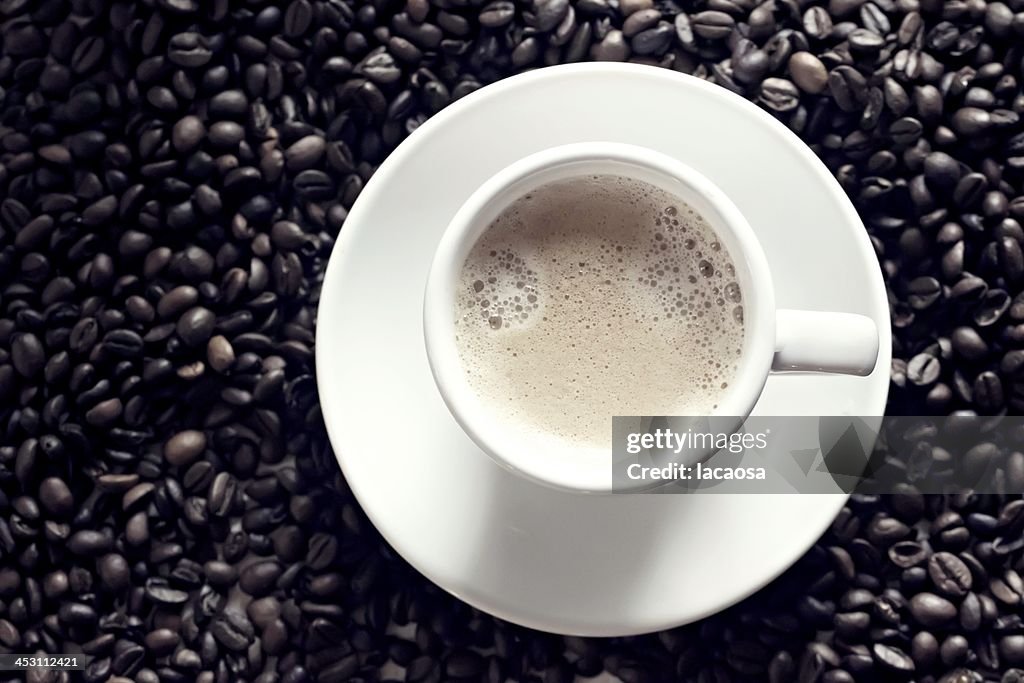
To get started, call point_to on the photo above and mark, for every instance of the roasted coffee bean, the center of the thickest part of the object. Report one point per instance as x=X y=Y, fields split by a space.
x=653 y=40
x=848 y=87
x=969 y=190
x=221 y=497
x=322 y=551
x=949 y=574
x=808 y=72
x=56 y=497
x=891 y=658
x=184 y=447
x=28 y=355
x=932 y=611
x=779 y=95
x=1011 y=649
x=924 y=650
x=114 y=572
x=711 y=24
x=971 y=121
x=1008 y=588
x=306 y=152
x=906 y=554
x=195 y=326
x=640 y=21
x=988 y=392
x=232 y=630
x=817 y=23
x=259 y=578
x=923 y=292
x=160 y=593
x=969 y=344
x=497 y=13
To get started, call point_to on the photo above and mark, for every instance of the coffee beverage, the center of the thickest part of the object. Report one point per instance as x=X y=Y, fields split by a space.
x=596 y=296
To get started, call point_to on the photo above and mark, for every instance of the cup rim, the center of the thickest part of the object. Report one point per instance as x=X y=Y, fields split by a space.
x=493 y=435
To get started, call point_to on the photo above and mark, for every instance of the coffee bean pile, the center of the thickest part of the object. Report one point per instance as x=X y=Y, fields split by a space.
x=174 y=174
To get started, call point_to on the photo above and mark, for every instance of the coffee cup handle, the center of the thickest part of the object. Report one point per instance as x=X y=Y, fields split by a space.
x=813 y=341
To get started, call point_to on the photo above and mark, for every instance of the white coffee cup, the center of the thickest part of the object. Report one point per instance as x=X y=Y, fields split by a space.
x=775 y=340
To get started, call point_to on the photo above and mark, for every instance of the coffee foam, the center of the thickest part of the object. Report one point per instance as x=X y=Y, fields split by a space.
x=598 y=296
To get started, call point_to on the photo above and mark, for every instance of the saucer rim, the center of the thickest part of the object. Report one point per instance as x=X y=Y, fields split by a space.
x=376 y=188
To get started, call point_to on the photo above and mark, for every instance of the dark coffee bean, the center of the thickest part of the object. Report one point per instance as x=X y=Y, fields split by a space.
x=305 y=153
x=865 y=41
x=949 y=574
x=259 y=578
x=906 y=554
x=160 y=593
x=497 y=13
x=322 y=551
x=923 y=292
x=162 y=641
x=969 y=344
x=941 y=170
x=712 y=24
x=932 y=611
x=954 y=650
x=751 y=67
x=848 y=88
x=817 y=23
x=654 y=40
x=1007 y=589
x=222 y=494
x=988 y=392
x=1011 y=649
x=188 y=133
x=9 y=635
x=1011 y=258
x=298 y=18
x=114 y=572
x=924 y=650
x=892 y=658
x=232 y=630
x=808 y=72
x=969 y=190
x=89 y=542
x=184 y=447
x=123 y=343
x=971 y=121
x=189 y=50
x=56 y=497
x=196 y=325
x=226 y=135
x=779 y=95
x=640 y=21
x=228 y=104
x=220 y=354
x=177 y=301
x=548 y=14
x=991 y=308
x=104 y=413
x=905 y=131
x=613 y=48
x=28 y=355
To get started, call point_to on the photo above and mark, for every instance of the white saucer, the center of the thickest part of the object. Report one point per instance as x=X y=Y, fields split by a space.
x=585 y=565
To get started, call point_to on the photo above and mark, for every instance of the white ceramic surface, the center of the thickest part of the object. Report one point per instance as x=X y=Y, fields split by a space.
x=810 y=340
x=537 y=556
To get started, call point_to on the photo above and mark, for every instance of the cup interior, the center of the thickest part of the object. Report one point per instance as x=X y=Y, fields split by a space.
x=544 y=457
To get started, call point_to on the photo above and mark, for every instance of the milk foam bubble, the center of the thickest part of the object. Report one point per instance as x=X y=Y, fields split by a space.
x=598 y=296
